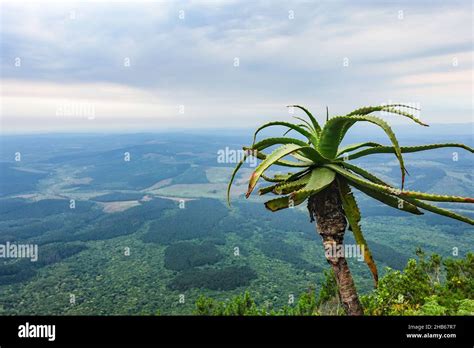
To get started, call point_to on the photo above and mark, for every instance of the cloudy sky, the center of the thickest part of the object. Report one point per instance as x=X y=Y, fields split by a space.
x=151 y=65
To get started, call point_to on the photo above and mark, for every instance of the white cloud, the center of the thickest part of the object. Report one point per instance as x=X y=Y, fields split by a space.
x=190 y=61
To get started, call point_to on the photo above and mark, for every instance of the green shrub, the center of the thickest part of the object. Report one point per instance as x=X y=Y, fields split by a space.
x=427 y=286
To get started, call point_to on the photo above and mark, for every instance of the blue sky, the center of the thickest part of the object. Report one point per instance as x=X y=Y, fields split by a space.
x=145 y=65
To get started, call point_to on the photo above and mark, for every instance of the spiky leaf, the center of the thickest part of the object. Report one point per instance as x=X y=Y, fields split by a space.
x=265 y=143
x=236 y=169
x=357 y=146
x=365 y=110
x=277 y=154
x=306 y=124
x=282 y=203
x=320 y=179
x=315 y=123
x=291 y=186
x=364 y=173
x=394 y=202
x=295 y=127
x=284 y=163
x=388 y=108
x=391 y=201
x=352 y=213
x=267 y=178
x=335 y=129
x=441 y=211
x=395 y=192
x=406 y=149
x=266 y=189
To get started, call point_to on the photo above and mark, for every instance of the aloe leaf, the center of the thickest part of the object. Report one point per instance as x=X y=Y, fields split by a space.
x=282 y=203
x=388 y=108
x=364 y=173
x=312 y=154
x=291 y=183
x=268 y=179
x=315 y=123
x=295 y=127
x=306 y=156
x=378 y=191
x=299 y=157
x=320 y=179
x=352 y=213
x=276 y=155
x=298 y=175
x=265 y=143
x=279 y=178
x=284 y=163
x=307 y=125
x=395 y=192
x=406 y=114
x=391 y=201
x=236 y=169
x=407 y=149
x=441 y=211
x=357 y=146
x=283 y=177
x=335 y=129
x=266 y=189
x=262 y=145
x=291 y=186
x=299 y=125
x=369 y=109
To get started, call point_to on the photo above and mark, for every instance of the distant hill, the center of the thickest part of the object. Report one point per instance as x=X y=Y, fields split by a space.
x=180 y=238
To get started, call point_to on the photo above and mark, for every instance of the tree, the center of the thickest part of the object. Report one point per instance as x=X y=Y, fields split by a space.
x=324 y=176
x=427 y=286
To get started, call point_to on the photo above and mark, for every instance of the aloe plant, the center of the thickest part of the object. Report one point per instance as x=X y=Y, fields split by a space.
x=322 y=174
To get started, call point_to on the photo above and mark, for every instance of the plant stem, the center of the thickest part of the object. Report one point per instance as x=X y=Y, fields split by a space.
x=326 y=207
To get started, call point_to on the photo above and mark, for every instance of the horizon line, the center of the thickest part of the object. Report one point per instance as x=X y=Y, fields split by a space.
x=183 y=130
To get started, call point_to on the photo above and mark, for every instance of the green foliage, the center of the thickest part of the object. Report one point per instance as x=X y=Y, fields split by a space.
x=20 y=270
x=14 y=180
x=429 y=286
x=186 y=255
x=199 y=219
x=244 y=305
x=417 y=290
x=110 y=228
x=238 y=305
x=329 y=288
x=306 y=304
x=460 y=276
x=275 y=247
x=432 y=307
x=226 y=278
x=107 y=282
x=20 y=208
x=466 y=307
